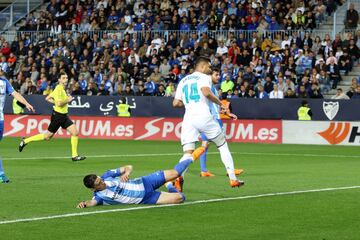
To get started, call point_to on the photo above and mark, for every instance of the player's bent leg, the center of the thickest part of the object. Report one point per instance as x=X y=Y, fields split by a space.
x=35 y=138
x=184 y=163
x=170 y=198
x=171 y=175
x=188 y=149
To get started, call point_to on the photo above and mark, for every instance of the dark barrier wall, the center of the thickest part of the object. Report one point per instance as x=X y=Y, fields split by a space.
x=341 y=110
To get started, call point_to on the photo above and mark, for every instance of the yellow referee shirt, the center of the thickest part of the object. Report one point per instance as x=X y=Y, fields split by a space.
x=59 y=94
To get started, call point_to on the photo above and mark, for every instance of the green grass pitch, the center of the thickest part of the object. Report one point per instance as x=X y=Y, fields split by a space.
x=44 y=184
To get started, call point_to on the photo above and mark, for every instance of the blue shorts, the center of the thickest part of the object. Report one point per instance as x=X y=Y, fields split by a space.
x=151 y=183
x=1 y=129
x=204 y=138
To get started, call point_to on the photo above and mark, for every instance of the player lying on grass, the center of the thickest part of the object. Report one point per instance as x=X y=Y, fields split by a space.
x=115 y=187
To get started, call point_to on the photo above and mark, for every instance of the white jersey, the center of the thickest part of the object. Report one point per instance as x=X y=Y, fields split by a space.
x=189 y=92
x=198 y=118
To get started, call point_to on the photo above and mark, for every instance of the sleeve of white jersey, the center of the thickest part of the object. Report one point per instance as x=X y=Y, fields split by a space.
x=178 y=93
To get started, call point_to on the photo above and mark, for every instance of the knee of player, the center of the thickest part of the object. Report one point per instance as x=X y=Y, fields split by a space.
x=75 y=133
x=219 y=141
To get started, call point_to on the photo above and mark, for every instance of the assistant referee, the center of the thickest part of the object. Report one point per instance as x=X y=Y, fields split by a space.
x=59 y=118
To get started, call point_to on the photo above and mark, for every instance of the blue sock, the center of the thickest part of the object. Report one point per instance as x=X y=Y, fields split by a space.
x=182 y=166
x=172 y=189
x=1 y=168
x=203 y=159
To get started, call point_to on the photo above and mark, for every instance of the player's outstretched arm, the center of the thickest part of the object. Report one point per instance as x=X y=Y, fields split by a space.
x=125 y=172
x=21 y=99
x=88 y=203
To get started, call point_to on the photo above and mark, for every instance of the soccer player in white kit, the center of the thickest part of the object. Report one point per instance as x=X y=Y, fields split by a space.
x=194 y=92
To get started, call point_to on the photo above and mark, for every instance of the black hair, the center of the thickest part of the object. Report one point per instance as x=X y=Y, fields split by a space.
x=202 y=59
x=215 y=69
x=89 y=180
x=62 y=74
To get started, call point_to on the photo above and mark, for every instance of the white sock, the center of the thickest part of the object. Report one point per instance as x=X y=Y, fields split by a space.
x=227 y=160
x=186 y=156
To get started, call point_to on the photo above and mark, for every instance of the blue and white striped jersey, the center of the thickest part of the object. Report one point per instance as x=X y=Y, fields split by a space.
x=119 y=192
x=5 y=89
x=214 y=108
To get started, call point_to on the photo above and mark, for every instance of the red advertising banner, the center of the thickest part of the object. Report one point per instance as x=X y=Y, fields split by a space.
x=265 y=131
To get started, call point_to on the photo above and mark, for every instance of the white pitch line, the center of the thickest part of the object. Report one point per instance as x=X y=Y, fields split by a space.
x=179 y=154
x=175 y=205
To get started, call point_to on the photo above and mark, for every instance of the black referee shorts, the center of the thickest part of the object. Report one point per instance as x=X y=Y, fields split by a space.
x=59 y=120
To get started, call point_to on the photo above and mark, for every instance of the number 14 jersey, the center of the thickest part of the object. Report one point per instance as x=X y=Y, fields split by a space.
x=189 y=92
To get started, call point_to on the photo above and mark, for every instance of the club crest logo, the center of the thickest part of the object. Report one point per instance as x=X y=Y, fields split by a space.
x=331 y=109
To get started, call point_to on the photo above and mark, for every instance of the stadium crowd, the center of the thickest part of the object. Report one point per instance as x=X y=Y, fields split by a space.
x=268 y=50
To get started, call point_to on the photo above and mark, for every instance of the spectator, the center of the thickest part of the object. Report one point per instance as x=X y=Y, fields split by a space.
x=324 y=82
x=289 y=93
x=276 y=93
x=340 y=94
x=222 y=49
x=281 y=84
x=102 y=91
x=302 y=93
x=315 y=91
x=269 y=85
x=227 y=85
x=150 y=87
x=242 y=94
x=261 y=94
x=56 y=29
x=128 y=91
x=30 y=88
x=245 y=58
x=156 y=76
x=345 y=63
x=161 y=91
x=356 y=94
x=165 y=68
x=352 y=17
x=354 y=51
x=170 y=90
x=334 y=74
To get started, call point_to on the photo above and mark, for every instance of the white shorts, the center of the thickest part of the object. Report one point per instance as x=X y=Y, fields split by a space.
x=192 y=127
